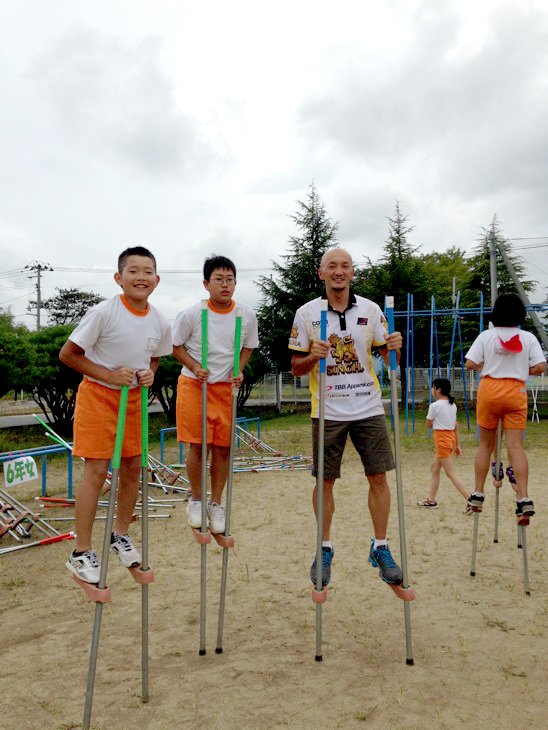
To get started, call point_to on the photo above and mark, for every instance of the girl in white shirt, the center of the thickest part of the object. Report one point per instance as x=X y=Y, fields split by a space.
x=442 y=418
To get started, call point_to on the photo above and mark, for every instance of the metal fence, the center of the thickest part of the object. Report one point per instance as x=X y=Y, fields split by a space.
x=285 y=388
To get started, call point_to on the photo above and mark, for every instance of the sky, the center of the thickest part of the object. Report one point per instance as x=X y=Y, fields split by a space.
x=196 y=128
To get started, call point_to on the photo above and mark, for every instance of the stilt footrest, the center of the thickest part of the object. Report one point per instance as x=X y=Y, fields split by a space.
x=226 y=541
x=523 y=521
x=142 y=576
x=93 y=592
x=319 y=596
x=406 y=594
x=204 y=538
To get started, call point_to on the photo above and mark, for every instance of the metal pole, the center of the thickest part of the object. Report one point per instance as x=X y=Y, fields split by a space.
x=319 y=492
x=104 y=557
x=144 y=541
x=525 y=566
x=203 y=547
x=399 y=484
x=494 y=292
x=474 y=545
x=230 y=478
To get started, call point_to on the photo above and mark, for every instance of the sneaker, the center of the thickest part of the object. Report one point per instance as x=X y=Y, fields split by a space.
x=216 y=514
x=129 y=556
x=428 y=503
x=381 y=558
x=85 y=566
x=498 y=474
x=194 y=512
x=327 y=559
x=475 y=500
x=525 y=508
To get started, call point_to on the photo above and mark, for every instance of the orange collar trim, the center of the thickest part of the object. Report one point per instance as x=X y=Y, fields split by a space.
x=221 y=311
x=138 y=312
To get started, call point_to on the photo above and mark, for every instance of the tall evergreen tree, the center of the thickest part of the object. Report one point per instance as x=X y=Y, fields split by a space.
x=296 y=282
x=400 y=271
x=479 y=278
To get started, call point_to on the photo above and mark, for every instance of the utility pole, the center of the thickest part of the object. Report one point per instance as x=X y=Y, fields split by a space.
x=38 y=267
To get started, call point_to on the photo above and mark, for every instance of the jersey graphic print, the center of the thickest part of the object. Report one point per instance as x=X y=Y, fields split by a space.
x=343 y=351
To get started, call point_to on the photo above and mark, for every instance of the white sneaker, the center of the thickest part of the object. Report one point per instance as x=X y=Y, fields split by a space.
x=85 y=566
x=129 y=556
x=216 y=514
x=194 y=512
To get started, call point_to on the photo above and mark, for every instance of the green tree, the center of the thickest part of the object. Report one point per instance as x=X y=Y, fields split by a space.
x=296 y=282
x=479 y=276
x=13 y=354
x=400 y=271
x=164 y=386
x=53 y=385
x=68 y=306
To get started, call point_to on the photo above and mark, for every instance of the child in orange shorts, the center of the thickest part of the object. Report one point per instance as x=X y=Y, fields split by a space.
x=118 y=342
x=506 y=356
x=442 y=418
x=220 y=282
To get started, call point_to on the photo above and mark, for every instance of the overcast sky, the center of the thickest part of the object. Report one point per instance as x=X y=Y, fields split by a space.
x=194 y=128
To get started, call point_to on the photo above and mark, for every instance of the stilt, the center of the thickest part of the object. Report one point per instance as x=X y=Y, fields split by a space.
x=228 y=541
x=498 y=476
x=399 y=484
x=319 y=595
x=522 y=531
x=474 y=544
x=144 y=574
x=204 y=528
x=104 y=558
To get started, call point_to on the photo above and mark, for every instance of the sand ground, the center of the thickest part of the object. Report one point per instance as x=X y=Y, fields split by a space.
x=479 y=644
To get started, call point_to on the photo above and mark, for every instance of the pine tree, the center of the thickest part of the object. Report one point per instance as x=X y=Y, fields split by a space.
x=479 y=278
x=296 y=282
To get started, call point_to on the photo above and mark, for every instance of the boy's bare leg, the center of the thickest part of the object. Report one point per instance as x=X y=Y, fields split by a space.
x=194 y=469
x=85 y=507
x=434 y=479
x=219 y=471
x=482 y=463
x=379 y=503
x=328 y=505
x=518 y=459
x=128 y=492
x=451 y=472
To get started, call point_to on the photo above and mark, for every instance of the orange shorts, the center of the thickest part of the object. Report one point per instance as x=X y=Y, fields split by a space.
x=445 y=443
x=189 y=412
x=96 y=419
x=501 y=399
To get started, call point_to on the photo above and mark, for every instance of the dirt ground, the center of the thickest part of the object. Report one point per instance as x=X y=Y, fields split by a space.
x=479 y=644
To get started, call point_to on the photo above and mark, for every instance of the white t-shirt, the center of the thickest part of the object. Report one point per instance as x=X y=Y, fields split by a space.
x=221 y=330
x=443 y=415
x=498 y=362
x=352 y=388
x=115 y=335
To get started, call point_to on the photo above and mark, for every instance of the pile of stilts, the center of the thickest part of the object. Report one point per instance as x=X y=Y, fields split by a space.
x=255 y=455
x=17 y=521
x=162 y=476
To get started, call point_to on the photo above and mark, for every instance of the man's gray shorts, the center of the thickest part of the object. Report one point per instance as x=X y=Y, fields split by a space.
x=370 y=439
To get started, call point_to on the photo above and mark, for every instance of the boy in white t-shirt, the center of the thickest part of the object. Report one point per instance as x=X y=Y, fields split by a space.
x=220 y=282
x=118 y=342
x=506 y=357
